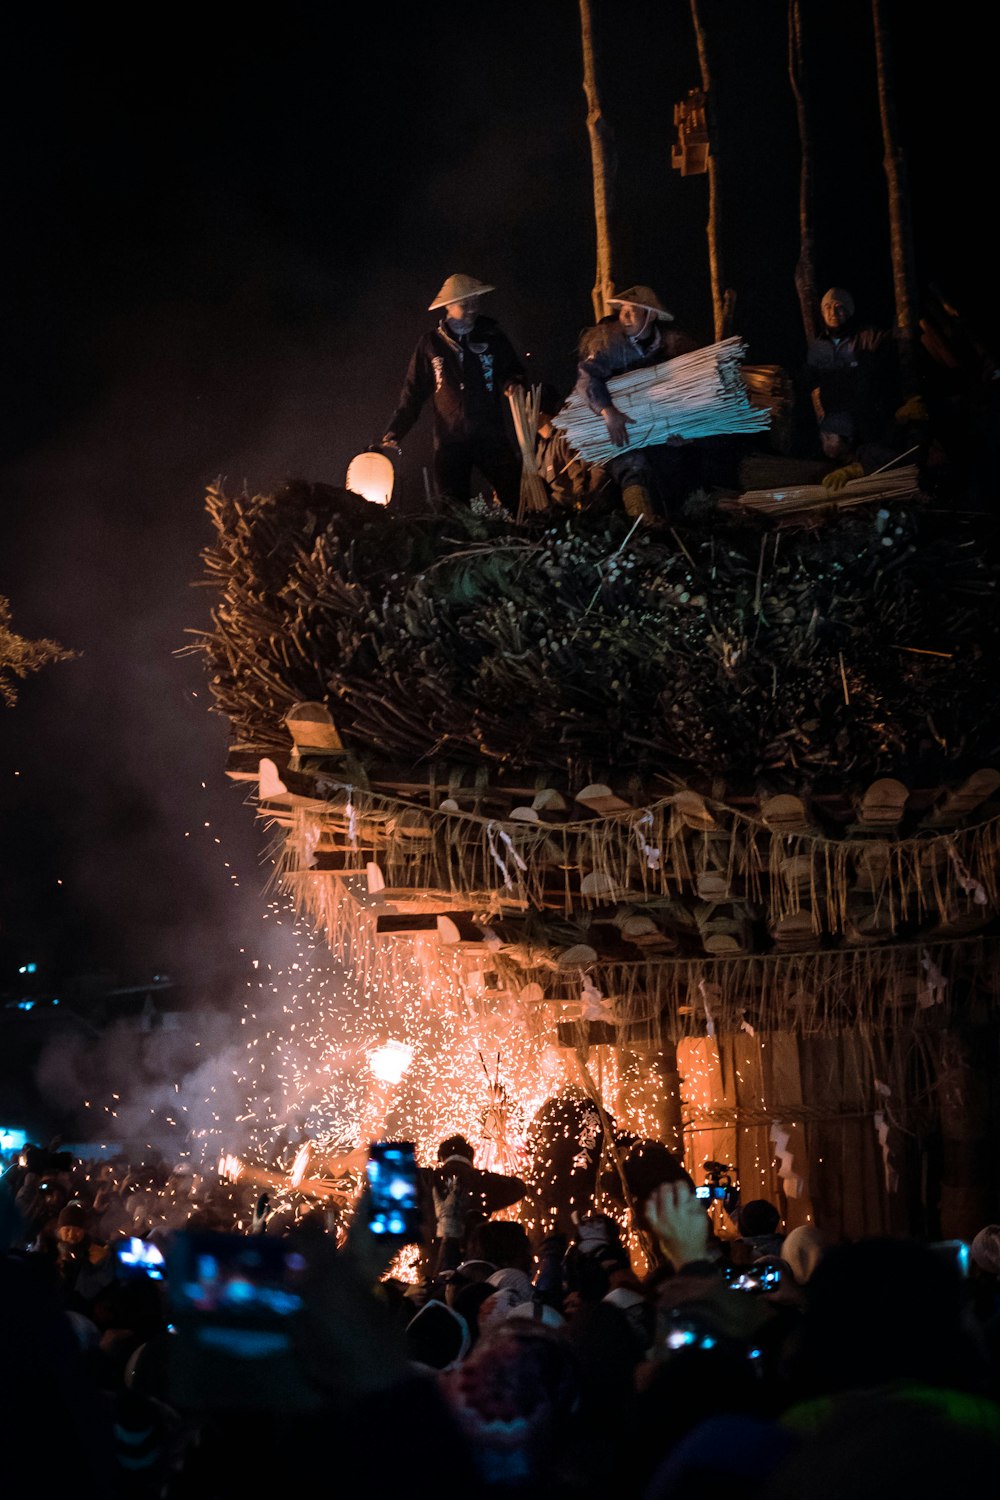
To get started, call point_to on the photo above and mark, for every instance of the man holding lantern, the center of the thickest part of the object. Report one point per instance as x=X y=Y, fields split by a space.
x=464 y=366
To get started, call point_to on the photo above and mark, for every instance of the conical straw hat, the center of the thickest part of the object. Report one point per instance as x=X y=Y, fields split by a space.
x=643 y=296
x=457 y=288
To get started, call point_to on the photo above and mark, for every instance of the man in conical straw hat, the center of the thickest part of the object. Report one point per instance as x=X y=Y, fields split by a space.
x=635 y=335
x=464 y=366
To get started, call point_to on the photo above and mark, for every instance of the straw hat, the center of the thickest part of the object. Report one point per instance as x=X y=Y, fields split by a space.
x=457 y=289
x=643 y=296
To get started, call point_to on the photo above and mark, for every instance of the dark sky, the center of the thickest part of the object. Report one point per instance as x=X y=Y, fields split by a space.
x=223 y=230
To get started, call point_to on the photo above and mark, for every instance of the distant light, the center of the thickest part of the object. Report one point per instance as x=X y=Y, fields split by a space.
x=390 y=1062
x=11 y=1139
x=28 y=969
x=26 y=1005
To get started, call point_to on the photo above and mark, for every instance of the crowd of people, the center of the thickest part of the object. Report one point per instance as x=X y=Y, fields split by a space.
x=857 y=408
x=168 y=1336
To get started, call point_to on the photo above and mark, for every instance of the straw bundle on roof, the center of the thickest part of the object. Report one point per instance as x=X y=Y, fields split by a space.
x=893 y=484
x=524 y=408
x=695 y=395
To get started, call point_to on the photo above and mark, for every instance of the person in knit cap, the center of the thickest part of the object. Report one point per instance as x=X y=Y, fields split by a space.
x=464 y=366
x=851 y=368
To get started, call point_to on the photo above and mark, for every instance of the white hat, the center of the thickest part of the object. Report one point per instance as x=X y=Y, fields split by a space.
x=457 y=289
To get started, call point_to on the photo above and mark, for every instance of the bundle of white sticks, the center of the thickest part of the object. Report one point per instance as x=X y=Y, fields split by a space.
x=696 y=395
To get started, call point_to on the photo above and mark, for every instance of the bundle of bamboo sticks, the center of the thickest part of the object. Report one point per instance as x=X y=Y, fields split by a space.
x=893 y=484
x=524 y=408
x=695 y=395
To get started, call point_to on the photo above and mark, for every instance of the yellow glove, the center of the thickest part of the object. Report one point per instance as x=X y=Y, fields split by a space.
x=840 y=477
x=912 y=410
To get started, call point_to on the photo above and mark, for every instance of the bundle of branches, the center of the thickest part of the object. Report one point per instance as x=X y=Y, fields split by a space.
x=893 y=484
x=524 y=409
x=695 y=395
x=809 y=660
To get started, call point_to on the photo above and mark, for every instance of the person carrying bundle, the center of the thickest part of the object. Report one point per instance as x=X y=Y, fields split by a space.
x=634 y=336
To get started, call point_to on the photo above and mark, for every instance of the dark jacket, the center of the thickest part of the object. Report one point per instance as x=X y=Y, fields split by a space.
x=854 y=370
x=607 y=350
x=465 y=375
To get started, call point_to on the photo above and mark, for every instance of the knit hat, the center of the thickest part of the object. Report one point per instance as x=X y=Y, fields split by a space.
x=642 y=296
x=985 y=1249
x=457 y=288
x=838 y=294
x=509 y=1278
x=74 y=1213
x=803 y=1251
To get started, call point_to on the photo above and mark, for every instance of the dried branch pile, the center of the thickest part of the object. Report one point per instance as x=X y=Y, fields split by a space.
x=809 y=660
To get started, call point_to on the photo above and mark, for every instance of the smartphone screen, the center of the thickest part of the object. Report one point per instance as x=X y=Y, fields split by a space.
x=235 y=1276
x=711 y=1190
x=394 y=1198
x=232 y=1301
x=139 y=1257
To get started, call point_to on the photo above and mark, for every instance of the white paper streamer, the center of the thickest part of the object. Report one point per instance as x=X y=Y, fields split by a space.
x=969 y=884
x=491 y=829
x=710 y=995
x=888 y=1170
x=935 y=987
x=793 y=1184
x=648 y=851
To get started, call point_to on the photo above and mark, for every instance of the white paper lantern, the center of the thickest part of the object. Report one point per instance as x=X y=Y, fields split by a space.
x=371 y=476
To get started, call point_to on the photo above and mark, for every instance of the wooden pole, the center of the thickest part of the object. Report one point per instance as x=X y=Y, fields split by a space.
x=720 y=299
x=602 y=163
x=900 y=227
x=805 y=271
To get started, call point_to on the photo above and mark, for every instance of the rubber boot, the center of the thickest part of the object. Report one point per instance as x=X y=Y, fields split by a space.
x=637 y=502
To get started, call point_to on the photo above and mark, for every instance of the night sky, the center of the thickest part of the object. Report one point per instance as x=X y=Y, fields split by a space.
x=223 y=231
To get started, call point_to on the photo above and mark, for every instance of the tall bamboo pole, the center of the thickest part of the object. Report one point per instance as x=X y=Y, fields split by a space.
x=900 y=227
x=720 y=300
x=805 y=270
x=602 y=162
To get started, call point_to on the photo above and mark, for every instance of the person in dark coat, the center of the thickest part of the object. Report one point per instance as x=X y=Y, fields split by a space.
x=464 y=367
x=851 y=368
x=464 y=1195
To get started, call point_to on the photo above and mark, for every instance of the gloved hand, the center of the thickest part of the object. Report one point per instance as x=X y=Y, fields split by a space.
x=913 y=409
x=840 y=477
x=616 y=422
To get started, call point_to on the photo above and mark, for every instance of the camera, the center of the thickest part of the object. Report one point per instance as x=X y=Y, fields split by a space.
x=393 y=1178
x=722 y=1185
x=44 y=1163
